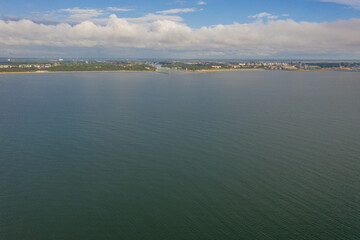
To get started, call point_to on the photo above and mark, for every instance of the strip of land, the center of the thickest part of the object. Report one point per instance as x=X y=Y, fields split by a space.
x=47 y=66
x=211 y=66
x=60 y=65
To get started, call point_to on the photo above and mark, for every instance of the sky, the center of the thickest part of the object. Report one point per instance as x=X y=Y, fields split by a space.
x=227 y=29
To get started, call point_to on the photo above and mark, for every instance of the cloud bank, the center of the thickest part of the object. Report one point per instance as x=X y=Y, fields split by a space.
x=249 y=39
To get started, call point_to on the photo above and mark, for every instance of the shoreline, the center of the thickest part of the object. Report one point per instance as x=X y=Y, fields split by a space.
x=189 y=71
x=225 y=70
x=125 y=71
x=122 y=71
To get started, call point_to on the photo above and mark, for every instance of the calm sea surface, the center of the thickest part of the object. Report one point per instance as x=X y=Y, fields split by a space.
x=230 y=155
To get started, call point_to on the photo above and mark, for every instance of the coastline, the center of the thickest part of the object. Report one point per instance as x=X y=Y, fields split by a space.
x=189 y=71
x=226 y=70
x=124 y=71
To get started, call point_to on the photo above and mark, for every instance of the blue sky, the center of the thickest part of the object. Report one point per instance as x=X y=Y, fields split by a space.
x=159 y=20
x=214 y=11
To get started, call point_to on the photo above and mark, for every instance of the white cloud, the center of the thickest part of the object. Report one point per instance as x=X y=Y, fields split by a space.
x=264 y=15
x=77 y=15
x=154 y=17
x=352 y=3
x=213 y=53
x=115 y=9
x=82 y=14
x=201 y=3
x=251 y=39
x=176 y=11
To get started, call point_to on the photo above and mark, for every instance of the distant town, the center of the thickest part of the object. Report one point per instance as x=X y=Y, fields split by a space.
x=90 y=65
x=61 y=65
x=260 y=65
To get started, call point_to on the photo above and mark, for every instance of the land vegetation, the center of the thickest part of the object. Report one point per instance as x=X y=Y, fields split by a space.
x=259 y=65
x=73 y=66
x=60 y=65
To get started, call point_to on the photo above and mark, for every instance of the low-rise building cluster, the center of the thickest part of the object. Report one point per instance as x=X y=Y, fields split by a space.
x=190 y=65
x=38 y=66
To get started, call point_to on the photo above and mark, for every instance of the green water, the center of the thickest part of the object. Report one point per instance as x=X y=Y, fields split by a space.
x=230 y=155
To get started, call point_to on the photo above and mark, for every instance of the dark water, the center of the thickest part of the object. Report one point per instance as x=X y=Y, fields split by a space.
x=239 y=155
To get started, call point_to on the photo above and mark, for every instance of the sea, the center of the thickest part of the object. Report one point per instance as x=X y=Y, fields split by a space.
x=190 y=156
